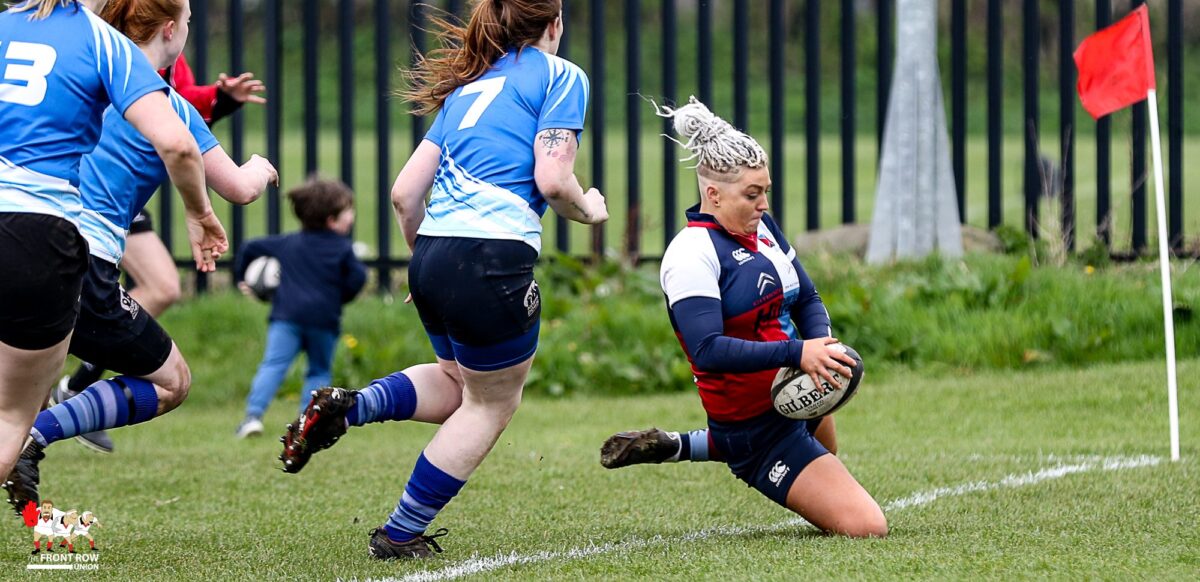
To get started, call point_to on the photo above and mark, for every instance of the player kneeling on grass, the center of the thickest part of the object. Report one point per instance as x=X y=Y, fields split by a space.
x=113 y=331
x=740 y=301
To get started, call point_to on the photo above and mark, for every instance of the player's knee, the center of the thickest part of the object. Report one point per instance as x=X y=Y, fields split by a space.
x=175 y=389
x=167 y=292
x=868 y=524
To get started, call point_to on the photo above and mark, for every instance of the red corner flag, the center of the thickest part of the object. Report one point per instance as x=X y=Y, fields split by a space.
x=1116 y=65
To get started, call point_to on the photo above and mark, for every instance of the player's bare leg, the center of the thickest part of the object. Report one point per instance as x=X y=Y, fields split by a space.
x=829 y=497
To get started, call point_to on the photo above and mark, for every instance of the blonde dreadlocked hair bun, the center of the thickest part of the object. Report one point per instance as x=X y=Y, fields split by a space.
x=714 y=143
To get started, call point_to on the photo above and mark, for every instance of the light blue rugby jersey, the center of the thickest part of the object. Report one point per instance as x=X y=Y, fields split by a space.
x=484 y=186
x=120 y=176
x=56 y=77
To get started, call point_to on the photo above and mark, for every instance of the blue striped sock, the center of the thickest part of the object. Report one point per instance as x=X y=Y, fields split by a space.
x=120 y=401
x=429 y=489
x=390 y=398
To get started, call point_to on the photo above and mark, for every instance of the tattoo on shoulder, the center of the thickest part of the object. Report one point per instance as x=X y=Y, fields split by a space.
x=553 y=138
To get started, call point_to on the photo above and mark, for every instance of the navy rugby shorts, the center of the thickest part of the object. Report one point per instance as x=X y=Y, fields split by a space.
x=42 y=262
x=768 y=451
x=477 y=299
x=114 y=332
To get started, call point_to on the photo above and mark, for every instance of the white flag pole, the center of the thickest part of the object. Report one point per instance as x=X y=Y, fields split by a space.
x=1163 y=235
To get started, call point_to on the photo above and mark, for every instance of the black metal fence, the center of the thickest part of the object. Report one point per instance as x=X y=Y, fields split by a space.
x=270 y=31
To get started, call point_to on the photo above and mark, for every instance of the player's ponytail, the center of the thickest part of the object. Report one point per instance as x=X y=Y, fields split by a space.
x=140 y=20
x=717 y=146
x=41 y=8
x=467 y=52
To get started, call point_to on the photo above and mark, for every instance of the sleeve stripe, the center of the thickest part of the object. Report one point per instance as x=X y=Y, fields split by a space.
x=110 y=43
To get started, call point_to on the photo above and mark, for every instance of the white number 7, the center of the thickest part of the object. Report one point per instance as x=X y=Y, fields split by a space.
x=488 y=89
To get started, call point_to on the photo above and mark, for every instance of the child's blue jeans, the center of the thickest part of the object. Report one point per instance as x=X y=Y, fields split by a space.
x=284 y=342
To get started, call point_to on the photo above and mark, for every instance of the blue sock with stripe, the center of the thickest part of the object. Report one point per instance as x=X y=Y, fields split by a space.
x=429 y=489
x=119 y=401
x=693 y=446
x=390 y=398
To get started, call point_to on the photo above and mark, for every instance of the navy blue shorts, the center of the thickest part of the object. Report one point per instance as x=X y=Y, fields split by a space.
x=768 y=451
x=477 y=299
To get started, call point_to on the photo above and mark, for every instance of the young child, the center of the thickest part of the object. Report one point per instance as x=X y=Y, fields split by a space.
x=319 y=273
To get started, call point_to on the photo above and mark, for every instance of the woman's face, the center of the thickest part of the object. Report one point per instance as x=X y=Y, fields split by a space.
x=739 y=205
x=180 y=36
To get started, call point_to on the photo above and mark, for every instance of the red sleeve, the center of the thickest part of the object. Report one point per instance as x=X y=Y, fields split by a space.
x=203 y=97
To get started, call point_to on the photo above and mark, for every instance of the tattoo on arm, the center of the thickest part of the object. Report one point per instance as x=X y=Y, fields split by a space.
x=552 y=138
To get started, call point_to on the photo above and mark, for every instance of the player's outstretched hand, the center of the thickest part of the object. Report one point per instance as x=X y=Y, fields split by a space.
x=244 y=88
x=597 y=209
x=208 y=240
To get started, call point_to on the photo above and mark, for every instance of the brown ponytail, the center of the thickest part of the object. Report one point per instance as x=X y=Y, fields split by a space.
x=41 y=8
x=467 y=53
x=140 y=20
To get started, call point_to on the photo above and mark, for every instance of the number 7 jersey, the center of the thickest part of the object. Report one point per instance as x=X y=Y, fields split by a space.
x=57 y=75
x=484 y=186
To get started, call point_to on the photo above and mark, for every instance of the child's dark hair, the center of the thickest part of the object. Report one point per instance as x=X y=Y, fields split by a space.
x=318 y=200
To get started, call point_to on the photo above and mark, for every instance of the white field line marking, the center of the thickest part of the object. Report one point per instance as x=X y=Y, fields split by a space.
x=479 y=565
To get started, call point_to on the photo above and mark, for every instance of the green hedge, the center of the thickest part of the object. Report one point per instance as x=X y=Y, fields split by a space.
x=605 y=329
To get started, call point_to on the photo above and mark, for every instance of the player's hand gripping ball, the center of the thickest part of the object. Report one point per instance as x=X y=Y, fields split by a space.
x=795 y=396
x=262 y=276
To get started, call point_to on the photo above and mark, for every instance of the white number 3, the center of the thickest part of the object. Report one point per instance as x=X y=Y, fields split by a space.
x=25 y=83
x=488 y=89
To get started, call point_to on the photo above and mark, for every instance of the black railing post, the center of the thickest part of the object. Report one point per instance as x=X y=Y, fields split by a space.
x=670 y=175
x=812 y=114
x=199 y=39
x=273 y=39
x=1066 y=108
x=1030 y=127
x=958 y=102
x=1137 y=173
x=1104 y=150
x=311 y=121
x=1175 y=119
x=883 y=72
x=200 y=69
x=562 y=226
x=704 y=48
x=633 y=127
x=416 y=31
x=597 y=41
x=778 y=44
x=995 y=105
x=741 y=57
x=237 y=64
x=383 y=149
x=849 y=103
x=346 y=79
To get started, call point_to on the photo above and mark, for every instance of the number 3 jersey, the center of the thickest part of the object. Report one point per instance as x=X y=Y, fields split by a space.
x=57 y=75
x=484 y=186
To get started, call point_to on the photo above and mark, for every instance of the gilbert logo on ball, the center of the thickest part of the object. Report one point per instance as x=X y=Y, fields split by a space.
x=795 y=396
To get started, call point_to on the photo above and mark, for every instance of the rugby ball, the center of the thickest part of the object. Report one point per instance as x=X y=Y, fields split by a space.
x=795 y=396
x=262 y=276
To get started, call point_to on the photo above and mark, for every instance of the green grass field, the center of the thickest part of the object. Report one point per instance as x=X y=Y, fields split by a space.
x=1030 y=474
